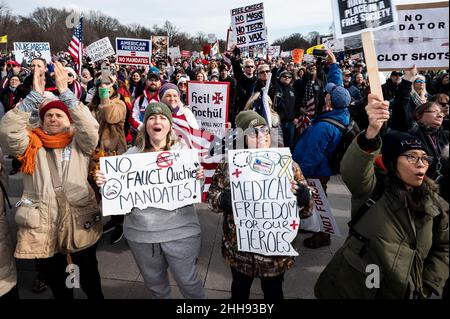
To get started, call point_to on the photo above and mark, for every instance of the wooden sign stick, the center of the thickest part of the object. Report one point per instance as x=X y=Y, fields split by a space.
x=372 y=63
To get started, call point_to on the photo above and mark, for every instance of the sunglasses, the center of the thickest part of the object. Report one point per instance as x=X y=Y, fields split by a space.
x=419 y=81
x=287 y=77
x=264 y=71
x=249 y=66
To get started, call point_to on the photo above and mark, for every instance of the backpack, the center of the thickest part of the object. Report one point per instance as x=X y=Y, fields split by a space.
x=349 y=132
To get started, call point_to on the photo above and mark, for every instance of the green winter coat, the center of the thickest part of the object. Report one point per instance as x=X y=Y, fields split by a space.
x=409 y=252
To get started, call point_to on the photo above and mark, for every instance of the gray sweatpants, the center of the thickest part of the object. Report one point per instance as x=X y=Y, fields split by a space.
x=181 y=256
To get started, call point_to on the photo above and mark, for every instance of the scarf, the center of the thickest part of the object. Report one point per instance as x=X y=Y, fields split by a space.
x=418 y=99
x=39 y=138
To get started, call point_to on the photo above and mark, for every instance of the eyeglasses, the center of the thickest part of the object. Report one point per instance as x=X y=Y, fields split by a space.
x=419 y=81
x=258 y=130
x=287 y=77
x=70 y=75
x=435 y=112
x=264 y=71
x=444 y=104
x=182 y=84
x=249 y=66
x=414 y=159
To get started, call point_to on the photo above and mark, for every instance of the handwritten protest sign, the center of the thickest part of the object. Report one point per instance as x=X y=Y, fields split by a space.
x=248 y=25
x=297 y=55
x=274 y=51
x=209 y=103
x=420 y=37
x=157 y=179
x=160 y=45
x=265 y=210
x=133 y=51
x=185 y=53
x=100 y=49
x=174 y=52
x=27 y=51
x=323 y=209
x=335 y=45
x=353 y=17
x=308 y=58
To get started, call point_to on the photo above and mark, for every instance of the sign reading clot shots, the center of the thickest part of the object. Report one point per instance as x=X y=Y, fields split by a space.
x=133 y=51
x=158 y=179
x=27 y=51
x=264 y=208
x=209 y=103
x=420 y=38
x=353 y=17
x=248 y=25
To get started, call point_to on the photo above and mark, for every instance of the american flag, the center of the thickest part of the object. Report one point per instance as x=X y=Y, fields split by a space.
x=76 y=45
x=201 y=140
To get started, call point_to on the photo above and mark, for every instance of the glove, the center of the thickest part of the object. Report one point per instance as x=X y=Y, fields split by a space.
x=303 y=195
x=225 y=201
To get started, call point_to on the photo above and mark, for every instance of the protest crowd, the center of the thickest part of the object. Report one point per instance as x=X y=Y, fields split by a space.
x=60 y=118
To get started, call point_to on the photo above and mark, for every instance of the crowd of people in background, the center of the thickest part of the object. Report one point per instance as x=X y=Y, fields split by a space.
x=411 y=120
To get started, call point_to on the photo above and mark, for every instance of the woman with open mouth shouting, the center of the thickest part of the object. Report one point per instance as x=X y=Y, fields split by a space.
x=160 y=238
x=398 y=235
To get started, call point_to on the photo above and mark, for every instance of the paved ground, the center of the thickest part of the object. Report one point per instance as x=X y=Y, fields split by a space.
x=121 y=278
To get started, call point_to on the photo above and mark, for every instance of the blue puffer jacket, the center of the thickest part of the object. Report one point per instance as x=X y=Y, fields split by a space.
x=317 y=142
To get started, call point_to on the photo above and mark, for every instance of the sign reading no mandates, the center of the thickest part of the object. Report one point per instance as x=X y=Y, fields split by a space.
x=352 y=17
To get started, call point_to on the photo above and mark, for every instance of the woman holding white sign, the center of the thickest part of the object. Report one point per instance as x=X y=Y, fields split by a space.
x=160 y=238
x=245 y=266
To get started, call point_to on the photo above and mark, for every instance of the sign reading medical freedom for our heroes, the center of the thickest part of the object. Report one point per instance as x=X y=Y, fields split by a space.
x=248 y=25
x=264 y=208
x=157 y=179
x=30 y=50
x=352 y=17
x=133 y=51
x=100 y=50
x=209 y=103
x=420 y=37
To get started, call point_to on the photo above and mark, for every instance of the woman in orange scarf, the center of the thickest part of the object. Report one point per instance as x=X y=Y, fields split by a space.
x=58 y=219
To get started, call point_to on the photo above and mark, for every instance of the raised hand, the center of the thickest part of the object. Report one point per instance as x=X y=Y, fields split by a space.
x=410 y=73
x=60 y=77
x=39 y=82
x=378 y=113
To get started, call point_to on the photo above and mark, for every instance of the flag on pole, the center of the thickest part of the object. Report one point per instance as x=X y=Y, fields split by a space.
x=76 y=45
x=4 y=39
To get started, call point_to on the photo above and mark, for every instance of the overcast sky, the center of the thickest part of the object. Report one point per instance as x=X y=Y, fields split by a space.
x=283 y=17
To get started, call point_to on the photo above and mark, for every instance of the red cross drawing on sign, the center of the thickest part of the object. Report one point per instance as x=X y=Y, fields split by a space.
x=237 y=172
x=294 y=224
x=217 y=98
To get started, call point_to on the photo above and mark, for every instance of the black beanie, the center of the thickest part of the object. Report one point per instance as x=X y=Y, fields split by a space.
x=396 y=143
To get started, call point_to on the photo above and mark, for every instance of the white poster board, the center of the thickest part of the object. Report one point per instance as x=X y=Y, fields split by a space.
x=353 y=17
x=209 y=103
x=265 y=210
x=133 y=51
x=420 y=37
x=248 y=25
x=323 y=209
x=156 y=179
x=174 y=52
x=274 y=51
x=335 y=45
x=30 y=50
x=212 y=38
x=100 y=50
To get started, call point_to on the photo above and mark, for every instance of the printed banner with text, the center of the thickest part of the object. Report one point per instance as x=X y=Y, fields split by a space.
x=157 y=179
x=209 y=103
x=248 y=25
x=264 y=208
x=133 y=51
x=420 y=38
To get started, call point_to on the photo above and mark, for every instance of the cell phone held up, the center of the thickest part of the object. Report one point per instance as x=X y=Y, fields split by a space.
x=318 y=52
x=106 y=73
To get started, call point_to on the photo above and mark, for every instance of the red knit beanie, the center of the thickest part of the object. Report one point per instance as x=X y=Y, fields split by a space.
x=57 y=104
